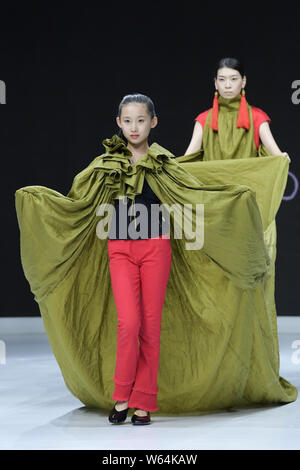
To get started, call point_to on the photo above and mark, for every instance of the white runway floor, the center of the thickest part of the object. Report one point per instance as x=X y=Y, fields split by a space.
x=38 y=412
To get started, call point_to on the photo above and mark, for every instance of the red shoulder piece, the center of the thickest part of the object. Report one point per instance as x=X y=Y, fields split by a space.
x=259 y=116
x=202 y=117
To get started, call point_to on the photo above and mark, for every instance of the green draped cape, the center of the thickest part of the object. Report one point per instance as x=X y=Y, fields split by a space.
x=219 y=345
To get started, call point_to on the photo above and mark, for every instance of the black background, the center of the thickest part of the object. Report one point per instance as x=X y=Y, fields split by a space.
x=67 y=65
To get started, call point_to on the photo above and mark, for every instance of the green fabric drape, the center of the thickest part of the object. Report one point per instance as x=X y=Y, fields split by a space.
x=218 y=335
x=229 y=142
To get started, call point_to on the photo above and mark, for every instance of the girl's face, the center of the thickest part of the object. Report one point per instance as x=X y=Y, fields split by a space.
x=229 y=82
x=135 y=122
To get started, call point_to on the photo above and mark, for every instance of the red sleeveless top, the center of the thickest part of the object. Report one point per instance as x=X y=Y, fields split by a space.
x=259 y=116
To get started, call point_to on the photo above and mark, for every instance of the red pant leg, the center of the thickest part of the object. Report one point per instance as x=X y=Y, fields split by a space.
x=155 y=263
x=138 y=267
x=125 y=278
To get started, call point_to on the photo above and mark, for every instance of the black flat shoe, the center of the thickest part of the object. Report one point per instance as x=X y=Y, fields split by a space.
x=116 y=416
x=140 y=420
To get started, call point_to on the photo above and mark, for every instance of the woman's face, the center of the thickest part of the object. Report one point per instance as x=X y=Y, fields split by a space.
x=135 y=122
x=229 y=82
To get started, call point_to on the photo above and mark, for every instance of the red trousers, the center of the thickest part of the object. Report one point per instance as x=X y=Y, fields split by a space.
x=139 y=272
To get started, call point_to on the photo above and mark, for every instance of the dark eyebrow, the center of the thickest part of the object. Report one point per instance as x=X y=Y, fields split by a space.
x=141 y=115
x=235 y=75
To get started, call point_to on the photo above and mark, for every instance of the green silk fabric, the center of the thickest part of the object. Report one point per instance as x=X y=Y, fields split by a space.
x=219 y=345
x=228 y=142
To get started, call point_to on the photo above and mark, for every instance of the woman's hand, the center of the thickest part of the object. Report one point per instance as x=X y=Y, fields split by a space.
x=268 y=141
x=286 y=155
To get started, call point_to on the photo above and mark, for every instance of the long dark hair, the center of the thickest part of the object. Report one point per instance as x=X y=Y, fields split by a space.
x=231 y=63
x=136 y=98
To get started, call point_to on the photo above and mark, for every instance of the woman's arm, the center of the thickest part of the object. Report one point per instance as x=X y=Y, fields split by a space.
x=196 y=141
x=268 y=141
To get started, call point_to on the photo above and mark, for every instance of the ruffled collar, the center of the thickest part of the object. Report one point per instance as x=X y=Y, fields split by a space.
x=120 y=175
x=116 y=145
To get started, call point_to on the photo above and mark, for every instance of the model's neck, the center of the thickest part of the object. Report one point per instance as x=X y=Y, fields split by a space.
x=138 y=151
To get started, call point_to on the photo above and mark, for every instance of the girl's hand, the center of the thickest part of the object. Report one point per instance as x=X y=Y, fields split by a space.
x=286 y=155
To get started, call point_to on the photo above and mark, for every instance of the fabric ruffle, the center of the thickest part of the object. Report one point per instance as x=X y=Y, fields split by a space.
x=123 y=178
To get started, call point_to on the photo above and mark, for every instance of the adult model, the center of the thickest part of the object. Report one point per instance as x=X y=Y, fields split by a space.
x=231 y=128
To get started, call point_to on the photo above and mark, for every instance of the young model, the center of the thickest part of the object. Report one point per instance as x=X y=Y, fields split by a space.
x=138 y=267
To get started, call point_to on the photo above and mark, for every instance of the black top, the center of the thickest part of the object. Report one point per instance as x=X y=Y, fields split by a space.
x=121 y=219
